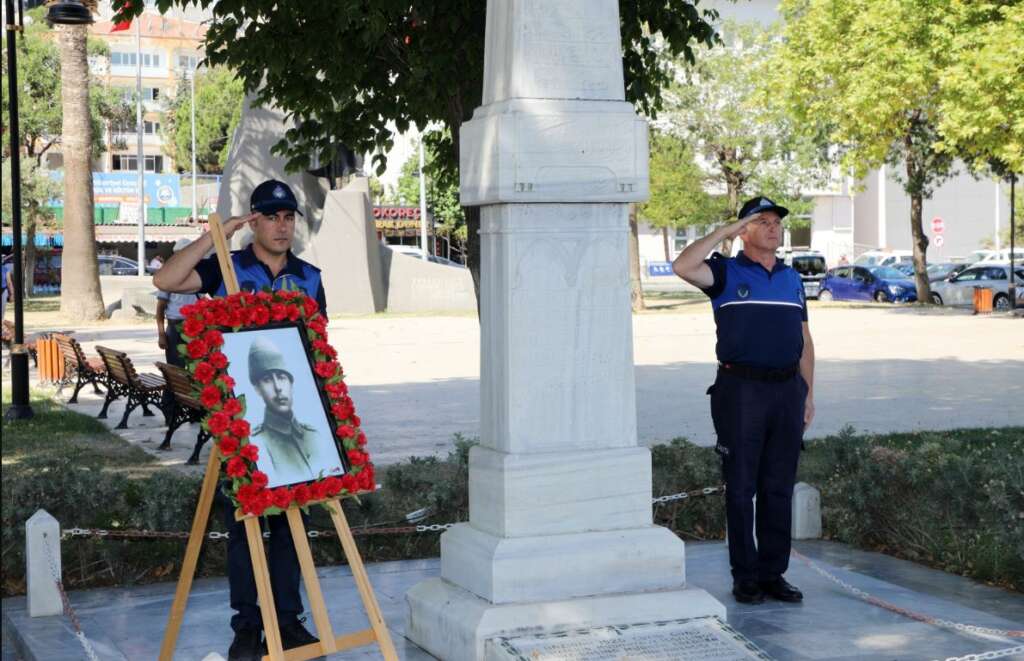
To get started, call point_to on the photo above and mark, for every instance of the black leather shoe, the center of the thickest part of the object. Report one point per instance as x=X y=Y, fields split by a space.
x=247 y=645
x=295 y=635
x=747 y=592
x=779 y=589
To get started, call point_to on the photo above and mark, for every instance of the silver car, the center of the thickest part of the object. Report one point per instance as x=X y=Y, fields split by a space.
x=959 y=290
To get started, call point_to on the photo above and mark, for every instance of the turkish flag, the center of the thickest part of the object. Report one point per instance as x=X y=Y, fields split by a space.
x=123 y=25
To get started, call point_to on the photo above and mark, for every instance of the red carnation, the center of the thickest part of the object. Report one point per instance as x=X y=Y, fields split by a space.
x=326 y=369
x=210 y=396
x=232 y=406
x=336 y=390
x=247 y=491
x=197 y=349
x=259 y=478
x=332 y=485
x=342 y=410
x=236 y=467
x=345 y=431
x=318 y=324
x=260 y=316
x=240 y=428
x=348 y=482
x=204 y=372
x=361 y=440
x=282 y=497
x=293 y=312
x=357 y=457
x=213 y=338
x=228 y=382
x=264 y=296
x=220 y=317
x=218 y=423
x=251 y=452
x=318 y=490
x=356 y=420
x=228 y=445
x=310 y=306
x=218 y=360
x=236 y=318
x=365 y=479
x=189 y=310
x=278 y=311
x=193 y=327
x=301 y=494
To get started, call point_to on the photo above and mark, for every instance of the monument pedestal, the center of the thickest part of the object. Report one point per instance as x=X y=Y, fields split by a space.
x=561 y=532
x=454 y=624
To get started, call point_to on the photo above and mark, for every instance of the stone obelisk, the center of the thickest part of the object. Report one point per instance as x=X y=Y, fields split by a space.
x=560 y=532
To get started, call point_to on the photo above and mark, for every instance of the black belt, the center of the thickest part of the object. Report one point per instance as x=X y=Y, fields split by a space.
x=760 y=373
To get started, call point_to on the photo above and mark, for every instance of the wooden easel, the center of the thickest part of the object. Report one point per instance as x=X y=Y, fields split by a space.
x=329 y=643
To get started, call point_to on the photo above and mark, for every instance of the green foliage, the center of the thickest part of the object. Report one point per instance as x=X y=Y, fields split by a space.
x=682 y=466
x=981 y=96
x=442 y=194
x=399 y=64
x=864 y=79
x=39 y=96
x=952 y=500
x=724 y=107
x=219 y=107
x=678 y=198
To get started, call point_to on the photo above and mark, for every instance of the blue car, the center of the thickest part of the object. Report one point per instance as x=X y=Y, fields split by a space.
x=876 y=283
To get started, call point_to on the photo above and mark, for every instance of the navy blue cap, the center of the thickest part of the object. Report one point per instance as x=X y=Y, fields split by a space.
x=272 y=196
x=760 y=205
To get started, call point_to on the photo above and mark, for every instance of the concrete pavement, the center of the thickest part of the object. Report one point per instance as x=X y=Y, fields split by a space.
x=415 y=380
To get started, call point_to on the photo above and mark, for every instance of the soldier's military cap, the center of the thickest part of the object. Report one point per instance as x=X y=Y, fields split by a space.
x=264 y=357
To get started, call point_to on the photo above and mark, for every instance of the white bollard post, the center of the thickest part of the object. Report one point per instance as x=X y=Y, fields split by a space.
x=42 y=562
x=806 y=512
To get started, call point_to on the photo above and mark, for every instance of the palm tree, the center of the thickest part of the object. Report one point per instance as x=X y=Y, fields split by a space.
x=80 y=297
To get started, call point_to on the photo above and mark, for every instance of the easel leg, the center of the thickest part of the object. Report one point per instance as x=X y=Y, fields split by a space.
x=316 y=596
x=262 y=575
x=348 y=544
x=188 y=566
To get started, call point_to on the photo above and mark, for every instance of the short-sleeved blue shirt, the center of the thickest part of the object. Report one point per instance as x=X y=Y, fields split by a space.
x=253 y=275
x=759 y=314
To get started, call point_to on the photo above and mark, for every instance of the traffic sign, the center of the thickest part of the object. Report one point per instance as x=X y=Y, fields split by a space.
x=938 y=240
x=938 y=225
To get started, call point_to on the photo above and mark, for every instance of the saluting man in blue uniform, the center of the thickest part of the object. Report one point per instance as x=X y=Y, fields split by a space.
x=266 y=262
x=762 y=400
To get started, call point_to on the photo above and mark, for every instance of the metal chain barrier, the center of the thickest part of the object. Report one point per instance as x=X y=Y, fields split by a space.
x=706 y=491
x=994 y=654
x=981 y=632
x=68 y=610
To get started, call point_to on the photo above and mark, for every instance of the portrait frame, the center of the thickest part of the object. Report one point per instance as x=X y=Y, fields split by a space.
x=207 y=322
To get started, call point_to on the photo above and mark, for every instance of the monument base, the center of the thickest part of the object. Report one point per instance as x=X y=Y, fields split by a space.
x=454 y=624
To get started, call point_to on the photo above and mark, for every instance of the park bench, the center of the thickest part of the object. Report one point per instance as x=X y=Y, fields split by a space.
x=7 y=337
x=184 y=408
x=124 y=381
x=78 y=366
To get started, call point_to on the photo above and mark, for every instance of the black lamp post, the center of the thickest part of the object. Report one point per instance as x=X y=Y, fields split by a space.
x=1012 y=289
x=20 y=407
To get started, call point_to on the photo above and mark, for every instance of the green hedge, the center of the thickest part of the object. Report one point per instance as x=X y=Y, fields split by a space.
x=953 y=500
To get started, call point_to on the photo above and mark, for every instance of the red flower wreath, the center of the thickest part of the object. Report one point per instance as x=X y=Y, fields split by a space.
x=203 y=338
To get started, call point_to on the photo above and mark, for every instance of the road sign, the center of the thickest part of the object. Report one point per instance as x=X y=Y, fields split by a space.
x=938 y=225
x=938 y=241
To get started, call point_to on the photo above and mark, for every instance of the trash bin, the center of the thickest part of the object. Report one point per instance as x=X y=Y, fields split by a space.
x=982 y=300
x=50 y=359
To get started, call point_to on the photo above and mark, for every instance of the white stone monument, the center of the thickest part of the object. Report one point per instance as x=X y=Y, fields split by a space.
x=561 y=532
x=42 y=557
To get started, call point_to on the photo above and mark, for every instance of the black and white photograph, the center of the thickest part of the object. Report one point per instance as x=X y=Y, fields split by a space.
x=283 y=405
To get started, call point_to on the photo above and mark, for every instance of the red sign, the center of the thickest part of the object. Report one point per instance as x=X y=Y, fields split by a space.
x=938 y=225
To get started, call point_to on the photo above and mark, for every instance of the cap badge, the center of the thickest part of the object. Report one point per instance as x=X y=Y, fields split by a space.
x=279 y=193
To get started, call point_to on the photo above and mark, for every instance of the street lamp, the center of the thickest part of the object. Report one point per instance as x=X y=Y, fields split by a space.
x=1012 y=287
x=20 y=407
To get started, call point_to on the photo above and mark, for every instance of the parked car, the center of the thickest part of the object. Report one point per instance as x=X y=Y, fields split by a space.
x=810 y=264
x=945 y=270
x=857 y=283
x=959 y=290
x=883 y=258
x=999 y=256
x=117 y=265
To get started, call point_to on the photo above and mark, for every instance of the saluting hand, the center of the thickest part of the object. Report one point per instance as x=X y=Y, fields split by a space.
x=235 y=223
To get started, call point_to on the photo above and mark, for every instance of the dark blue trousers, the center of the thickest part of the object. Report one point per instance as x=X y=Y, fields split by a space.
x=760 y=430
x=282 y=561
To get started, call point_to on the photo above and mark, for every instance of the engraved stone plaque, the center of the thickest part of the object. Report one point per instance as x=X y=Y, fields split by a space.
x=672 y=640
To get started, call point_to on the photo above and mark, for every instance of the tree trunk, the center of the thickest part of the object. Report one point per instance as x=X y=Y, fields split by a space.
x=28 y=256
x=733 y=192
x=664 y=240
x=80 y=298
x=636 y=292
x=919 y=239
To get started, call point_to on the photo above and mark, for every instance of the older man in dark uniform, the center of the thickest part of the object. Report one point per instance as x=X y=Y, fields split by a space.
x=763 y=398
x=287 y=442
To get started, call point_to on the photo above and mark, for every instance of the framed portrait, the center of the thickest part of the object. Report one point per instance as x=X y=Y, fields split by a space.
x=284 y=403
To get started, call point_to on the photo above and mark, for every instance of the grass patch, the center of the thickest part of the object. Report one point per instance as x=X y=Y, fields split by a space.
x=56 y=431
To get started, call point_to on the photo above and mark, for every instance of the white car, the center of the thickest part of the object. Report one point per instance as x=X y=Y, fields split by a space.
x=884 y=258
x=959 y=290
x=1003 y=256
